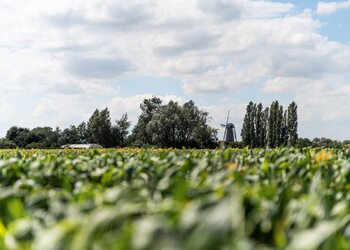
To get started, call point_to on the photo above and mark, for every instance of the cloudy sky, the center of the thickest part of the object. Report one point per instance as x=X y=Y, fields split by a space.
x=61 y=59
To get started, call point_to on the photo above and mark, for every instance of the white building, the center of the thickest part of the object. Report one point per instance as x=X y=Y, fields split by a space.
x=82 y=146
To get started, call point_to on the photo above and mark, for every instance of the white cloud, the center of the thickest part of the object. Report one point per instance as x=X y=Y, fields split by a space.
x=326 y=8
x=90 y=40
x=324 y=107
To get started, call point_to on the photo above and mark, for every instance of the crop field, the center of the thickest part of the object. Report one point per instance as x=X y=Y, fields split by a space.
x=175 y=199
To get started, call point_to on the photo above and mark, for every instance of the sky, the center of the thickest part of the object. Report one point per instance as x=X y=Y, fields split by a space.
x=62 y=59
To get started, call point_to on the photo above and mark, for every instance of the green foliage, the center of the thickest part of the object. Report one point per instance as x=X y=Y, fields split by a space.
x=259 y=126
x=7 y=144
x=20 y=136
x=99 y=128
x=120 y=131
x=293 y=123
x=83 y=133
x=168 y=125
x=69 y=136
x=265 y=127
x=275 y=124
x=271 y=127
x=175 y=199
x=326 y=143
x=148 y=107
x=248 y=129
x=303 y=142
x=173 y=125
x=46 y=137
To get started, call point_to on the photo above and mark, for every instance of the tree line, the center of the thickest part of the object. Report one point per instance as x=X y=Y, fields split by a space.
x=271 y=127
x=160 y=125
x=98 y=129
x=170 y=125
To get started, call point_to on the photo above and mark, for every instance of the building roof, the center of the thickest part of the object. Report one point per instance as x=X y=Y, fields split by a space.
x=82 y=146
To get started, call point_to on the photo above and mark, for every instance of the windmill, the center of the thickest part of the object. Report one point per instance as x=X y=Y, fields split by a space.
x=230 y=131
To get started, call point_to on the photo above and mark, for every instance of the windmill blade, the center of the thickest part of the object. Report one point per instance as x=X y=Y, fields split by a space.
x=234 y=134
x=228 y=116
x=224 y=139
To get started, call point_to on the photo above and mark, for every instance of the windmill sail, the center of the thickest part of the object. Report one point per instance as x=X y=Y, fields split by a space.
x=225 y=133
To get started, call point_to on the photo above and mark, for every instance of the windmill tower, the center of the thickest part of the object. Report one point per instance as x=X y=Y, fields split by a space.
x=230 y=131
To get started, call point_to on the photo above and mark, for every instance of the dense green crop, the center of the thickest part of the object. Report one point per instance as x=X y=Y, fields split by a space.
x=175 y=199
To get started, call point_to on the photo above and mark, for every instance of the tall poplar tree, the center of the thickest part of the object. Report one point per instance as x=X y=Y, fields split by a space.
x=259 y=126
x=265 y=127
x=285 y=134
x=279 y=126
x=292 y=123
x=272 y=139
x=252 y=128
x=247 y=132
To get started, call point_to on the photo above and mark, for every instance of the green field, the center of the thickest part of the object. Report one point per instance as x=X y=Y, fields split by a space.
x=175 y=199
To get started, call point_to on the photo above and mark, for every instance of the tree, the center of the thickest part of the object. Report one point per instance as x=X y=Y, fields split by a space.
x=326 y=143
x=285 y=133
x=197 y=133
x=148 y=108
x=7 y=144
x=44 y=137
x=252 y=128
x=164 y=125
x=303 y=142
x=292 y=123
x=69 y=136
x=20 y=136
x=248 y=132
x=275 y=126
x=99 y=128
x=83 y=133
x=279 y=126
x=265 y=127
x=272 y=142
x=120 y=131
x=259 y=126
x=346 y=142
x=173 y=125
